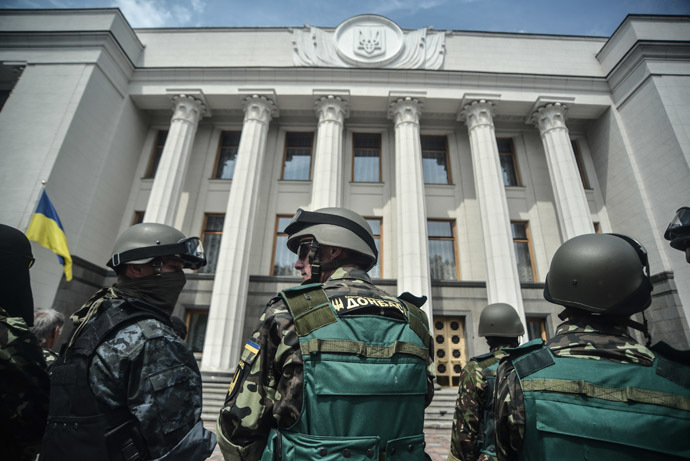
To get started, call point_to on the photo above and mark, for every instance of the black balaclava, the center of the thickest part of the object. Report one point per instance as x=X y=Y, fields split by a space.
x=15 y=282
x=159 y=290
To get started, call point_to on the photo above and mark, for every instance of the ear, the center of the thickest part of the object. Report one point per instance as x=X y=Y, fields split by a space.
x=336 y=252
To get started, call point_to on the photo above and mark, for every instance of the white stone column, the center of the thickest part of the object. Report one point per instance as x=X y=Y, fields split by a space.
x=413 y=251
x=167 y=184
x=223 y=342
x=502 y=279
x=571 y=201
x=328 y=159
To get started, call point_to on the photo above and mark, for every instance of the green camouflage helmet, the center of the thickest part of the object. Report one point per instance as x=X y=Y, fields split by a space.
x=144 y=242
x=600 y=273
x=338 y=227
x=500 y=319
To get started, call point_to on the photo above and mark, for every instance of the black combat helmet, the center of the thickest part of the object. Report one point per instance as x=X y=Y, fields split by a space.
x=500 y=319
x=678 y=231
x=600 y=273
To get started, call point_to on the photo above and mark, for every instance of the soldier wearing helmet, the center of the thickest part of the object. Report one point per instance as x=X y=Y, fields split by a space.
x=473 y=434
x=126 y=386
x=336 y=367
x=678 y=232
x=592 y=391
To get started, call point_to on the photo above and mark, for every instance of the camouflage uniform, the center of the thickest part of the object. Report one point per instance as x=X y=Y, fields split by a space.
x=469 y=411
x=269 y=394
x=145 y=368
x=582 y=337
x=50 y=357
x=24 y=389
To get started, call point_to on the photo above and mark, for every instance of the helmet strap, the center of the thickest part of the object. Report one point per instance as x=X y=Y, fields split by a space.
x=315 y=262
x=157 y=266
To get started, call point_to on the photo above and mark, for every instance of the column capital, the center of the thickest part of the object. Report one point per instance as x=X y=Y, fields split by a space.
x=478 y=113
x=332 y=108
x=405 y=110
x=550 y=116
x=259 y=108
x=188 y=108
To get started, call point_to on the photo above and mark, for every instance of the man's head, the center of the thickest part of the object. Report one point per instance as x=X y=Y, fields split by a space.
x=48 y=326
x=500 y=324
x=330 y=238
x=606 y=274
x=148 y=259
x=678 y=232
x=15 y=290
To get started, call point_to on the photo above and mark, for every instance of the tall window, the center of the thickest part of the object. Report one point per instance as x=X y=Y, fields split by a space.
x=506 y=154
x=138 y=217
x=210 y=237
x=196 y=321
x=536 y=328
x=375 y=224
x=298 y=147
x=442 y=250
x=523 y=251
x=156 y=154
x=283 y=259
x=227 y=154
x=435 y=160
x=366 y=160
x=580 y=165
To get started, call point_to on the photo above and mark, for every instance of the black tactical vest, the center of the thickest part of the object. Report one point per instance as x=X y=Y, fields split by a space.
x=77 y=430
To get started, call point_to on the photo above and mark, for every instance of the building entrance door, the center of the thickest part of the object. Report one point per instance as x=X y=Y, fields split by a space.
x=451 y=350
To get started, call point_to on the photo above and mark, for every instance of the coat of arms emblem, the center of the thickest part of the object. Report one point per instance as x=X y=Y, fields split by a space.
x=370 y=41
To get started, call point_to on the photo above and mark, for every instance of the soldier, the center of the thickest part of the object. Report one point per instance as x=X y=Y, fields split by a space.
x=24 y=383
x=473 y=434
x=678 y=232
x=593 y=392
x=126 y=386
x=48 y=328
x=337 y=368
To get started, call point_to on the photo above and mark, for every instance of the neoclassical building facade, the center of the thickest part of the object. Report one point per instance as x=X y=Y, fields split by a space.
x=473 y=155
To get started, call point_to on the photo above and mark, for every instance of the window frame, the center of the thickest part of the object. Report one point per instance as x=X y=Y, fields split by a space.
x=454 y=239
x=579 y=161
x=204 y=232
x=220 y=148
x=513 y=156
x=276 y=234
x=447 y=155
x=311 y=156
x=380 y=239
x=541 y=321
x=529 y=246
x=138 y=217
x=154 y=159
x=188 y=320
x=380 y=180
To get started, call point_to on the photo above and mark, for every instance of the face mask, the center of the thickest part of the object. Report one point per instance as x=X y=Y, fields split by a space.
x=161 y=291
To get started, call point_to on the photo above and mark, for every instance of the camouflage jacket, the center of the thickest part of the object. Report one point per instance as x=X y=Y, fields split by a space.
x=270 y=393
x=469 y=412
x=585 y=338
x=146 y=368
x=50 y=357
x=24 y=389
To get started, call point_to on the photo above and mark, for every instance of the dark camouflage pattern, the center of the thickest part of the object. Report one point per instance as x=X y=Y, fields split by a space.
x=581 y=337
x=148 y=369
x=50 y=357
x=267 y=391
x=24 y=389
x=469 y=411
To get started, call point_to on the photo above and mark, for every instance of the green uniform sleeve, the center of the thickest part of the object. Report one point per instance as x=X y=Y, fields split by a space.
x=467 y=418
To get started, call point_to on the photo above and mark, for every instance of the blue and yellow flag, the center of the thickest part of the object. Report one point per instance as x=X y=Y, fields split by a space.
x=45 y=228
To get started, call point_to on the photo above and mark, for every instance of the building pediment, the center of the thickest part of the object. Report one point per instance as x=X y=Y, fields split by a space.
x=369 y=41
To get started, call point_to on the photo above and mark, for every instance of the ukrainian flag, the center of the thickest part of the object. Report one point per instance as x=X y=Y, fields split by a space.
x=46 y=229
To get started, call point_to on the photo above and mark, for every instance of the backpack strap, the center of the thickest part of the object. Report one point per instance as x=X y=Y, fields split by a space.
x=309 y=307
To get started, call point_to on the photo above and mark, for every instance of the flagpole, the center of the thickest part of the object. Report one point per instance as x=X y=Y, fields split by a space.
x=38 y=199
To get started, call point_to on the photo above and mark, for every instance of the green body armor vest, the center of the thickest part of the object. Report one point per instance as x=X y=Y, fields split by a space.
x=364 y=382
x=580 y=409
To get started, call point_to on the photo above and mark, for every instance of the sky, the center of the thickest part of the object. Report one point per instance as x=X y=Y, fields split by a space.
x=562 y=17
